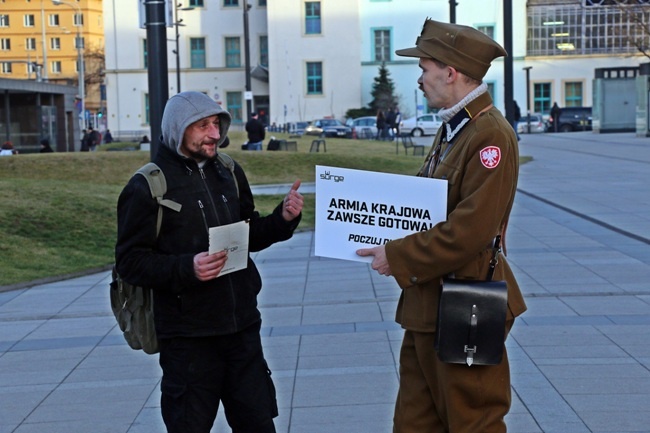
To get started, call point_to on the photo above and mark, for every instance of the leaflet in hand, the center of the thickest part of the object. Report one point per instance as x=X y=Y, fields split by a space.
x=234 y=239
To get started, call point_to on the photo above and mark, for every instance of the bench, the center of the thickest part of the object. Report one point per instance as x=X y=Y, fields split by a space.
x=315 y=146
x=288 y=145
x=407 y=142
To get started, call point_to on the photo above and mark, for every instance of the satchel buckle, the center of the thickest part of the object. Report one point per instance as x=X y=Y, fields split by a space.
x=470 y=354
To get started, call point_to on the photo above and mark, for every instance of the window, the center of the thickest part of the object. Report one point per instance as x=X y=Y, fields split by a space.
x=78 y=20
x=76 y=65
x=312 y=18
x=264 y=50
x=196 y=3
x=234 y=105
x=4 y=20
x=542 y=98
x=145 y=54
x=55 y=43
x=5 y=44
x=573 y=94
x=32 y=68
x=261 y=3
x=197 y=53
x=487 y=30
x=28 y=20
x=233 y=53
x=54 y=20
x=314 y=78
x=230 y=3
x=382 y=45
x=596 y=27
x=5 y=67
x=30 y=44
x=56 y=67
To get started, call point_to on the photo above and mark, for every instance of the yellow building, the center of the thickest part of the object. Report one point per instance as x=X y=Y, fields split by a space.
x=38 y=42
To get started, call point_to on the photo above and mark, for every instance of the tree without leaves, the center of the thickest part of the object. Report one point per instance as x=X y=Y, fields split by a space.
x=638 y=15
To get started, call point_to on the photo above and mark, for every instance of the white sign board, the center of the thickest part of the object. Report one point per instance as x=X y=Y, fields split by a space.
x=362 y=209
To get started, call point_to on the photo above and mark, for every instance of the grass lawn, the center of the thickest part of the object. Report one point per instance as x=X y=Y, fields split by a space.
x=58 y=210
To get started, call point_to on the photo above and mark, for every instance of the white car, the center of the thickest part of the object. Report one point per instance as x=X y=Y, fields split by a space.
x=426 y=124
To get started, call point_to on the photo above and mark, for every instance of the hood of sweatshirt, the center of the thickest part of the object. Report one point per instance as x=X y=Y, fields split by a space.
x=186 y=108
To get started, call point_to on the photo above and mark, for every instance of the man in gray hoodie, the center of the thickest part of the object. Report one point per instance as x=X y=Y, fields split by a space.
x=208 y=324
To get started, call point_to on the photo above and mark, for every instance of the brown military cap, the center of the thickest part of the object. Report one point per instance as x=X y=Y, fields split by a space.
x=463 y=47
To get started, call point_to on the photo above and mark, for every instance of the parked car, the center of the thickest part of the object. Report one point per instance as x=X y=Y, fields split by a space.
x=426 y=124
x=363 y=127
x=328 y=128
x=571 y=119
x=537 y=124
x=297 y=128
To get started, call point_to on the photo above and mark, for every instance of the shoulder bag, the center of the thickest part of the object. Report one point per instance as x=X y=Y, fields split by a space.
x=471 y=318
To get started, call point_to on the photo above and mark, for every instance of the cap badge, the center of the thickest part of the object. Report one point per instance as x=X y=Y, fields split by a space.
x=490 y=156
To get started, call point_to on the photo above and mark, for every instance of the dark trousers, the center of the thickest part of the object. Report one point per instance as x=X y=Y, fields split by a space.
x=199 y=373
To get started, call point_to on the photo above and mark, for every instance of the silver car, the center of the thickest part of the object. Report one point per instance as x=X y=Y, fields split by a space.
x=536 y=124
x=363 y=127
x=426 y=124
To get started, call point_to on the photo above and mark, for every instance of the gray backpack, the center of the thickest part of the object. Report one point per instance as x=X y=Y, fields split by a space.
x=133 y=305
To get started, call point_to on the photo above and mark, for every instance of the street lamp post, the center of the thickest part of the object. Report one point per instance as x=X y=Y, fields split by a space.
x=79 y=45
x=247 y=60
x=44 y=45
x=178 y=23
x=527 y=69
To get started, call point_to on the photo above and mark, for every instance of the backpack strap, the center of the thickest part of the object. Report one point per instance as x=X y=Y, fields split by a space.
x=229 y=163
x=158 y=186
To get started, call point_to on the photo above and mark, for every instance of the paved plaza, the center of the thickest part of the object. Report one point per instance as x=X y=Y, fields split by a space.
x=578 y=241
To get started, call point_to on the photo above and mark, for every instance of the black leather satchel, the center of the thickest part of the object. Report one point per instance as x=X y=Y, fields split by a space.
x=471 y=319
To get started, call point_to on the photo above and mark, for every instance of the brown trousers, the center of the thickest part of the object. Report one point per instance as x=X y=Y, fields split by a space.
x=435 y=397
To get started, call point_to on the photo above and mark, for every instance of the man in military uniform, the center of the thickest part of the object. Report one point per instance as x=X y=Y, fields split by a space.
x=476 y=152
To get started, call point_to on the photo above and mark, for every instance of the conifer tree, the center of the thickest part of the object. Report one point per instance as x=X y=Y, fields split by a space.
x=383 y=91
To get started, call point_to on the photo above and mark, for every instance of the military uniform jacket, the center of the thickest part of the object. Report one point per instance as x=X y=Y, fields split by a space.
x=481 y=165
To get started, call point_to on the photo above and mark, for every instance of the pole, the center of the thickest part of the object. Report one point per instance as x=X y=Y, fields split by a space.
x=178 y=58
x=82 y=78
x=527 y=69
x=507 y=63
x=452 y=11
x=157 y=71
x=79 y=45
x=44 y=75
x=247 y=59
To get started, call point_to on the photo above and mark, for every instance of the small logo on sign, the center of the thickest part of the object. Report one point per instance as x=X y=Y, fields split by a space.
x=328 y=176
x=490 y=156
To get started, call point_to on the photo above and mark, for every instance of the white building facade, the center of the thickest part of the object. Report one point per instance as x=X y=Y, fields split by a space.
x=314 y=59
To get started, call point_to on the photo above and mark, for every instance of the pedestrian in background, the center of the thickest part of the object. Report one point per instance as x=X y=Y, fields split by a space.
x=8 y=149
x=390 y=122
x=94 y=139
x=555 y=116
x=517 y=118
x=45 y=146
x=108 y=137
x=397 y=121
x=85 y=140
x=256 y=132
x=381 y=124
x=208 y=324
x=476 y=151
